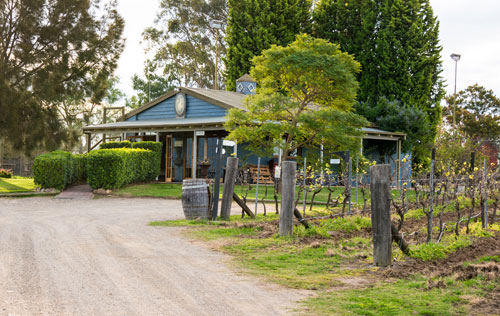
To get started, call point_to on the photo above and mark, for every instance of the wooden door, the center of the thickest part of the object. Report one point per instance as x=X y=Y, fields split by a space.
x=168 y=159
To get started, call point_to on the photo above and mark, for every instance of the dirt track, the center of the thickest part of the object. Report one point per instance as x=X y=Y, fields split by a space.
x=99 y=257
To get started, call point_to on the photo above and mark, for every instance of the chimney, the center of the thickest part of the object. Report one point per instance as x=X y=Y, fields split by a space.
x=246 y=85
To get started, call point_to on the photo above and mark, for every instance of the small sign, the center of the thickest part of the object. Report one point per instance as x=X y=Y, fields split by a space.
x=335 y=161
x=200 y=133
x=228 y=143
x=178 y=143
x=277 y=172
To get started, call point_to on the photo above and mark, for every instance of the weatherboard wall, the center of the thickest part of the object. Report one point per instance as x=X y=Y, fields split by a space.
x=165 y=110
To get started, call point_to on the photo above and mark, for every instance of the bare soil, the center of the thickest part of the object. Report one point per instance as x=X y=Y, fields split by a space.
x=100 y=257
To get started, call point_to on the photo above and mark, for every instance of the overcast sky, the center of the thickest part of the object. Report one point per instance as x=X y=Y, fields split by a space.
x=470 y=28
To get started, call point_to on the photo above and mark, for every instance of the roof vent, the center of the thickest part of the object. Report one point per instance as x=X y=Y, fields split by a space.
x=246 y=85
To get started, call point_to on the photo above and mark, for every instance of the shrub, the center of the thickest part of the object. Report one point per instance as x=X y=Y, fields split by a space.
x=156 y=148
x=79 y=168
x=110 y=145
x=113 y=168
x=53 y=170
x=6 y=173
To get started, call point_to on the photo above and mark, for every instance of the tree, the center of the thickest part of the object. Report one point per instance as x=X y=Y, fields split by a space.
x=184 y=41
x=150 y=88
x=52 y=52
x=397 y=44
x=477 y=113
x=306 y=91
x=393 y=116
x=254 y=25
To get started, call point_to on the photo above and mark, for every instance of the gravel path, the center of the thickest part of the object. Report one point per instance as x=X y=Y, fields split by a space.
x=99 y=257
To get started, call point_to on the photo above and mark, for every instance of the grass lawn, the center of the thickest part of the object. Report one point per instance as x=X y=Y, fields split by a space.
x=174 y=190
x=17 y=184
x=334 y=259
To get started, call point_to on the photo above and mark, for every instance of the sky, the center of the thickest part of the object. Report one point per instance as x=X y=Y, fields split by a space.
x=470 y=28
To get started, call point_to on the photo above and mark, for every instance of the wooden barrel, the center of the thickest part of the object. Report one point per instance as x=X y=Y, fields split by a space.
x=195 y=199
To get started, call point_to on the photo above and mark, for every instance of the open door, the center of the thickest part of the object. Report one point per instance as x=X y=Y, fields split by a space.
x=168 y=159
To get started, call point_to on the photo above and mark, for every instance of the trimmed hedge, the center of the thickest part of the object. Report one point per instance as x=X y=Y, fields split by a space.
x=110 y=145
x=113 y=168
x=156 y=148
x=53 y=170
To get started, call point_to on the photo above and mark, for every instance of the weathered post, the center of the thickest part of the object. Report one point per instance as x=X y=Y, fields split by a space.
x=288 y=179
x=380 y=179
x=257 y=186
x=484 y=214
x=227 y=194
x=218 y=171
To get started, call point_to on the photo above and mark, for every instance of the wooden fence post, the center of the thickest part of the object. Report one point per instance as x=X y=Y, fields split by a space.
x=380 y=179
x=288 y=178
x=227 y=194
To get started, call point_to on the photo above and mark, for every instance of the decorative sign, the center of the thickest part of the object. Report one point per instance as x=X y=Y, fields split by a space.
x=335 y=161
x=180 y=105
x=228 y=143
x=277 y=172
x=200 y=133
x=178 y=143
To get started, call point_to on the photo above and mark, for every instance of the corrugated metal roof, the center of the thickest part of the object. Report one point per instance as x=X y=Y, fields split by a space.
x=158 y=124
x=230 y=98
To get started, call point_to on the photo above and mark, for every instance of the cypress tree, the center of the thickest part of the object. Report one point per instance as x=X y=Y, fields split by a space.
x=254 y=25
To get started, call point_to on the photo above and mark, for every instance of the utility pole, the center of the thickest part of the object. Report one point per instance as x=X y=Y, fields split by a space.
x=217 y=25
x=456 y=58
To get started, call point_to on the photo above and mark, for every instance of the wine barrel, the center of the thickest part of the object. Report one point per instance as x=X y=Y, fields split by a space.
x=195 y=199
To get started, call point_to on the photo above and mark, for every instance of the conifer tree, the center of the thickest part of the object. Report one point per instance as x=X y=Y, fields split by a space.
x=254 y=25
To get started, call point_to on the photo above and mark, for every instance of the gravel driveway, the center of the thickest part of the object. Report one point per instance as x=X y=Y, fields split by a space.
x=99 y=257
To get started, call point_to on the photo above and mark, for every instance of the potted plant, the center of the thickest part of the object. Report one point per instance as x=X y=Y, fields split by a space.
x=203 y=166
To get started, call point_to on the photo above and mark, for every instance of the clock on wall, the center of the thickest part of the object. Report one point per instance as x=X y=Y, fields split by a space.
x=180 y=105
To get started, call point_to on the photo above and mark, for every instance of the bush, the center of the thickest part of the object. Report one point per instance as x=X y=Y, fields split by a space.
x=110 y=145
x=156 y=148
x=113 y=168
x=6 y=173
x=79 y=168
x=53 y=170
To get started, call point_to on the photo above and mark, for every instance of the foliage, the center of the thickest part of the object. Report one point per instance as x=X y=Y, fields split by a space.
x=51 y=52
x=122 y=144
x=53 y=170
x=255 y=25
x=113 y=168
x=450 y=148
x=304 y=100
x=347 y=224
x=433 y=251
x=156 y=148
x=394 y=116
x=79 y=162
x=6 y=173
x=477 y=113
x=397 y=44
x=184 y=43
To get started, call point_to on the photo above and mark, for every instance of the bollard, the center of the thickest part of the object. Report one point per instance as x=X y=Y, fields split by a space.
x=288 y=179
x=380 y=179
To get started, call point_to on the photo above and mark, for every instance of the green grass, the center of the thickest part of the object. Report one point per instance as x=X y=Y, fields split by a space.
x=16 y=185
x=403 y=297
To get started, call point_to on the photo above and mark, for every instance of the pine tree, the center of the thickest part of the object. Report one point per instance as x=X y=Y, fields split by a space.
x=254 y=25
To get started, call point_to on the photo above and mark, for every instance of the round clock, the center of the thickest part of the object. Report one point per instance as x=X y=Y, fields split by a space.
x=180 y=105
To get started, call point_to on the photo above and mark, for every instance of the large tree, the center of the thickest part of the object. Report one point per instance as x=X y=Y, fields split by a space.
x=254 y=25
x=304 y=99
x=52 y=52
x=184 y=41
x=397 y=44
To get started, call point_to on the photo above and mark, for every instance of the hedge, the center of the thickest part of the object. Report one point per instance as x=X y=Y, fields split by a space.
x=156 y=148
x=53 y=170
x=113 y=168
x=110 y=145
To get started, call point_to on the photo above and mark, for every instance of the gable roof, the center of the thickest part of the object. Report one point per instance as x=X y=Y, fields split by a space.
x=224 y=99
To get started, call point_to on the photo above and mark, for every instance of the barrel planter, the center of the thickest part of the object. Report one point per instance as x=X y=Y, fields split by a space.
x=195 y=199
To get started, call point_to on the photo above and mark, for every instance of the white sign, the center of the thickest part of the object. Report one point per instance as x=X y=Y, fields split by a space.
x=228 y=143
x=178 y=143
x=200 y=133
x=335 y=161
x=277 y=172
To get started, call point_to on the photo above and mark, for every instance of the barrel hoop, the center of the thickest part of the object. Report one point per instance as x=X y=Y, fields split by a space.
x=195 y=186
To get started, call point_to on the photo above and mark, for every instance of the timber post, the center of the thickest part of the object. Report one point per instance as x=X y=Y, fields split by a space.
x=227 y=194
x=380 y=179
x=288 y=179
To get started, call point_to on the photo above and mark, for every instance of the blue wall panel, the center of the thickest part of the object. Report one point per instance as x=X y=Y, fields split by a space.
x=166 y=110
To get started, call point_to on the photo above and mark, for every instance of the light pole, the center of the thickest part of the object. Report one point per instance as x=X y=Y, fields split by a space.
x=217 y=25
x=456 y=58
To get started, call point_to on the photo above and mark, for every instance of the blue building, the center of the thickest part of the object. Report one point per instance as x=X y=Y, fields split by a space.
x=188 y=122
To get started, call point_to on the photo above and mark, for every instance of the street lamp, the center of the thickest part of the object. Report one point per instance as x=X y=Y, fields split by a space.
x=217 y=25
x=456 y=58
